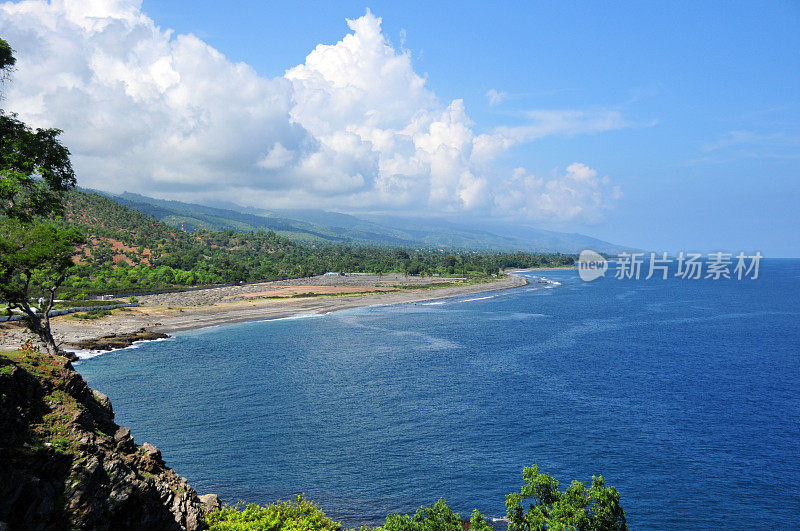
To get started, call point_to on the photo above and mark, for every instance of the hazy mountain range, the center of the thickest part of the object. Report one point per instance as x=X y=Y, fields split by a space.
x=319 y=226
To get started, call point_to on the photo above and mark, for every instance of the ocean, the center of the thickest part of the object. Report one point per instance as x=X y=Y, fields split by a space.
x=684 y=394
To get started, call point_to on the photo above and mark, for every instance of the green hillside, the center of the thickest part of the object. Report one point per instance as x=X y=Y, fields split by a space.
x=129 y=251
x=191 y=217
x=322 y=227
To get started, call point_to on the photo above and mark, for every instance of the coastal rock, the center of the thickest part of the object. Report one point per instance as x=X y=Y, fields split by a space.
x=61 y=467
x=103 y=400
x=211 y=502
x=152 y=451
x=115 y=341
x=124 y=440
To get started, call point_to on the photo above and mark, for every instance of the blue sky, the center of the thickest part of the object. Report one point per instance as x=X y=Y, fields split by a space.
x=687 y=114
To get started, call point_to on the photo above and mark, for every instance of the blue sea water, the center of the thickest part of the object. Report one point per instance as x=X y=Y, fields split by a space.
x=684 y=394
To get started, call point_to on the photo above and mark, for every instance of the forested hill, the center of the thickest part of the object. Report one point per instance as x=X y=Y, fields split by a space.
x=126 y=236
x=332 y=228
x=128 y=252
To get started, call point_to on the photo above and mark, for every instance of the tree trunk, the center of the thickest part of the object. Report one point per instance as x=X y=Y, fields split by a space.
x=39 y=323
x=41 y=327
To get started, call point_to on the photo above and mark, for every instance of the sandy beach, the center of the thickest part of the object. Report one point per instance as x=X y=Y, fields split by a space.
x=176 y=311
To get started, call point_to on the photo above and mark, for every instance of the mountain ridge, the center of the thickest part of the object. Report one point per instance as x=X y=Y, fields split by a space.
x=324 y=227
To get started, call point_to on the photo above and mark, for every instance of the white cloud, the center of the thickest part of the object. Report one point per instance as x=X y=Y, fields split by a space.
x=578 y=194
x=543 y=123
x=353 y=127
x=755 y=142
x=496 y=97
x=278 y=157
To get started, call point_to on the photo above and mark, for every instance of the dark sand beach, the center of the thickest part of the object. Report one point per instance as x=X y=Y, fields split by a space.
x=175 y=311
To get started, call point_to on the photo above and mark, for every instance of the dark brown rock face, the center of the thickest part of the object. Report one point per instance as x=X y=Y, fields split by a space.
x=65 y=463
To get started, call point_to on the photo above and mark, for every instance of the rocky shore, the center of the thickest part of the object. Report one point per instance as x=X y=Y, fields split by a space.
x=115 y=341
x=65 y=463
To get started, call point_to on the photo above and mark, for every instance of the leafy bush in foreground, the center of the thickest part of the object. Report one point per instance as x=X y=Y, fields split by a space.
x=437 y=517
x=594 y=509
x=300 y=515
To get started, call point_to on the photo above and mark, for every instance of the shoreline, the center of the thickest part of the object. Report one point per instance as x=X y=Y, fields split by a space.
x=531 y=269
x=152 y=319
x=281 y=309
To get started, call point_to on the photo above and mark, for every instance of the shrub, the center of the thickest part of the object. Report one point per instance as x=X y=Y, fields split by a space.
x=299 y=515
x=92 y=314
x=579 y=508
x=437 y=517
x=594 y=509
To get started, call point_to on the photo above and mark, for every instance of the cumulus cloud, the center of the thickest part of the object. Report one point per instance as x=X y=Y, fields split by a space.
x=353 y=127
x=577 y=194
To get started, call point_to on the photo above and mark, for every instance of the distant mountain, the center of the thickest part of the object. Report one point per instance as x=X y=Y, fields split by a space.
x=319 y=226
x=190 y=217
x=496 y=235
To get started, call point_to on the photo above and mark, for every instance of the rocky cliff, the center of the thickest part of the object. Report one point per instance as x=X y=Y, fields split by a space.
x=65 y=463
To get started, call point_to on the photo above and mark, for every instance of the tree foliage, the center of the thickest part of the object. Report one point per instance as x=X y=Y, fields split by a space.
x=34 y=166
x=34 y=260
x=35 y=253
x=34 y=170
x=298 y=515
x=577 y=508
x=437 y=517
x=7 y=59
x=596 y=508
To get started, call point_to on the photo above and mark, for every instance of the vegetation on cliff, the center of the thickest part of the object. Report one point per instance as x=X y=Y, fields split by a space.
x=65 y=463
x=577 y=508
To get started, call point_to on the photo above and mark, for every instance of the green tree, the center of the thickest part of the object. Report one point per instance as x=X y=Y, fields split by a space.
x=34 y=261
x=437 y=517
x=7 y=60
x=450 y=263
x=35 y=253
x=594 y=509
x=34 y=166
x=478 y=522
x=34 y=170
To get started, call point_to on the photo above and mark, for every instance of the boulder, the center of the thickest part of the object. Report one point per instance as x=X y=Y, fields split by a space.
x=211 y=502
x=123 y=439
x=104 y=401
x=152 y=451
